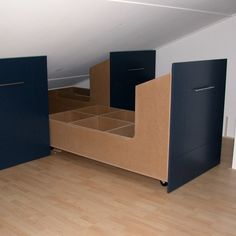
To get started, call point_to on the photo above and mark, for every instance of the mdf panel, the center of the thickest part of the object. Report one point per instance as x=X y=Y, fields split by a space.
x=24 y=110
x=100 y=83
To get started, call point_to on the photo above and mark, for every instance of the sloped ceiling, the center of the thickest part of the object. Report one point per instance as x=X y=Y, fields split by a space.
x=76 y=34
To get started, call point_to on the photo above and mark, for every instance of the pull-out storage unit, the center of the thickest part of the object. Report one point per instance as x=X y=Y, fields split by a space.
x=23 y=110
x=174 y=134
x=122 y=138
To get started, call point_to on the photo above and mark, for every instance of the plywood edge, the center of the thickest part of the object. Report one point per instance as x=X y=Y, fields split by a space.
x=152 y=117
x=100 y=83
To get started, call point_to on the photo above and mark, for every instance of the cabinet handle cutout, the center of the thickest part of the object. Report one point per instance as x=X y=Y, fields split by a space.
x=136 y=69
x=12 y=84
x=204 y=89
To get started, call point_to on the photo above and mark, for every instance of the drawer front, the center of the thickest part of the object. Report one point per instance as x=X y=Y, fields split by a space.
x=24 y=110
x=197 y=108
x=197 y=104
x=129 y=69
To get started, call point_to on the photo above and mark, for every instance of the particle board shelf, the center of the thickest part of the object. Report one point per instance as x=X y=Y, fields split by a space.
x=100 y=118
x=70 y=116
x=127 y=131
x=157 y=139
x=122 y=115
x=101 y=123
x=97 y=110
x=68 y=99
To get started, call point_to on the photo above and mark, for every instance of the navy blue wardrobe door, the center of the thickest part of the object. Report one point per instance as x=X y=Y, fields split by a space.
x=23 y=110
x=197 y=108
x=128 y=69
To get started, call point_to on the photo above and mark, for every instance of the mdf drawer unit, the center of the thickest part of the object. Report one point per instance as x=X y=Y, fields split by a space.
x=23 y=110
x=174 y=135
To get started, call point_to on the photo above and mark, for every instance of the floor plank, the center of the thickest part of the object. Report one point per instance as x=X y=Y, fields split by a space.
x=69 y=195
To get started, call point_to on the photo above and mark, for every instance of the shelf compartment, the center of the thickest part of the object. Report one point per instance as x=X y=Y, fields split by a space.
x=70 y=116
x=127 y=131
x=97 y=110
x=122 y=115
x=101 y=123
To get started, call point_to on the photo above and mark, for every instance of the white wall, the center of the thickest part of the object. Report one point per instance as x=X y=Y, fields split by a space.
x=234 y=155
x=83 y=84
x=216 y=41
x=80 y=81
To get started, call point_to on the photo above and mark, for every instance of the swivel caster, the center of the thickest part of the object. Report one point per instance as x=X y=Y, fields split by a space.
x=163 y=183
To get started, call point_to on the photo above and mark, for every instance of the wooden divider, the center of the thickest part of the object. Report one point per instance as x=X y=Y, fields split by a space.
x=100 y=83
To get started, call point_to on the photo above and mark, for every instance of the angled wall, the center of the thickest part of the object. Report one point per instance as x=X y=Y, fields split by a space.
x=78 y=34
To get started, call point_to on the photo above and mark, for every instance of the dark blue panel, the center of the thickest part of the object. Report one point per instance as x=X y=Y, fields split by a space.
x=197 y=108
x=128 y=69
x=23 y=110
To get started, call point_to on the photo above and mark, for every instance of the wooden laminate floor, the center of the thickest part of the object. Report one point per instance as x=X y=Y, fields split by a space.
x=68 y=195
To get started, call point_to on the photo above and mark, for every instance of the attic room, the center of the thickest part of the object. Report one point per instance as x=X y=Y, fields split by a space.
x=117 y=117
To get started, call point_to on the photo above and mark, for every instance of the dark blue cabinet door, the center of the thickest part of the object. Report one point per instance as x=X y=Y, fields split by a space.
x=197 y=108
x=128 y=69
x=23 y=110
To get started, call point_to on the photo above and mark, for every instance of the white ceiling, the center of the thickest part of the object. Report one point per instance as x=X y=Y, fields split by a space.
x=75 y=34
x=215 y=6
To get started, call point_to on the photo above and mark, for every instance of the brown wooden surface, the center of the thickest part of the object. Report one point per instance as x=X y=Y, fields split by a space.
x=100 y=83
x=68 y=99
x=70 y=116
x=71 y=91
x=127 y=131
x=68 y=195
x=101 y=123
x=146 y=153
x=60 y=104
x=122 y=115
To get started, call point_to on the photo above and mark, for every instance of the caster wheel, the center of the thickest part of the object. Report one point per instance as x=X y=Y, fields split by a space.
x=163 y=183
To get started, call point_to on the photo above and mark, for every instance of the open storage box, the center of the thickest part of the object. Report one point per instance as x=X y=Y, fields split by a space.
x=118 y=137
x=122 y=115
x=102 y=118
x=101 y=123
x=70 y=116
x=127 y=131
